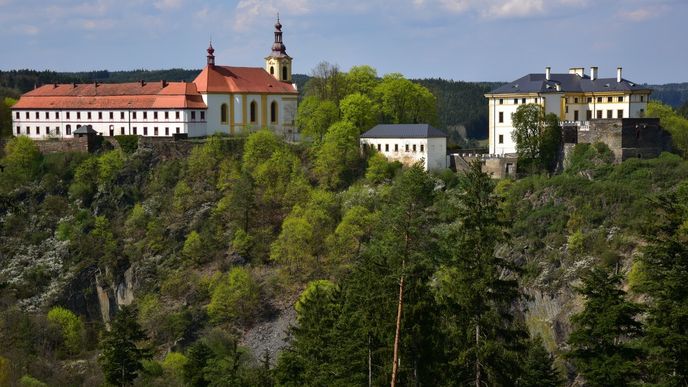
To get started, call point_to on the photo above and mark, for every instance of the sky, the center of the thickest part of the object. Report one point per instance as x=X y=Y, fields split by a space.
x=468 y=40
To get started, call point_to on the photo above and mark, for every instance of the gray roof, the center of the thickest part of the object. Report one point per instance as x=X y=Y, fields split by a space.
x=536 y=83
x=84 y=129
x=403 y=131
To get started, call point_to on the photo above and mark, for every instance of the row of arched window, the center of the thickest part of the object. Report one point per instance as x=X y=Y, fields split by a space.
x=285 y=72
x=253 y=112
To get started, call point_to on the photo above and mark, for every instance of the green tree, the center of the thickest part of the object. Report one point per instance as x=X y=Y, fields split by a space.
x=259 y=147
x=674 y=123
x=338 y=157
x=380 y=169
x=663 y=264
x=600 y=342
x=70 y=326
x=197 y=356
x=347 y=240
x=22 y=162
x=476 y=287
x=537 y=136
x=314 y=116
x=327 y=83
x=236 y=298
x=194 y=248
x=538 y=367
x=6 y=116
x=359 y=110
x=405 y=102
x=361 y=79
x=122 y=352
x=30 y=381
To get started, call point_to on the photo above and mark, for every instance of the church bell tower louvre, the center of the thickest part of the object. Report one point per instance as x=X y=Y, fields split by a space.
x=278 y=63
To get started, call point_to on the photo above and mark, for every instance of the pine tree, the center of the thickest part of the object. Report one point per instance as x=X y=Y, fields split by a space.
x=538 y=367
x=664 y=266
x=475 y=287
x=122 y=355
x=601 y=341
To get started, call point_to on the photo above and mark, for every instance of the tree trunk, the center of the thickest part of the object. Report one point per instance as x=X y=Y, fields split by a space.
x=400 y=307
x=477 y=355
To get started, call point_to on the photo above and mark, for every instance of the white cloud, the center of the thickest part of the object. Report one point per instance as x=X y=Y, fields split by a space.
x=168 y=5
x=499 y=9
x=26 y=29
x=249 y=11
x=642 y=14
x=514 y=9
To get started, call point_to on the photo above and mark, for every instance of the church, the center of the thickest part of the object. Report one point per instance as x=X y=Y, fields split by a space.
x=222 y=99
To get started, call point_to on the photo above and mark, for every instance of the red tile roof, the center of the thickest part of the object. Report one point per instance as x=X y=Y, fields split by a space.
x=225 y=79
x=135 y=95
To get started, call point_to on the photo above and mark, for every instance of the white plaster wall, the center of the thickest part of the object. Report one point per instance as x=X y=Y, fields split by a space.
x=433 y=155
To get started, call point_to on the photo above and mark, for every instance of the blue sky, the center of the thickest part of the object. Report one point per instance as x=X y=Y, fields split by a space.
x=471 y=40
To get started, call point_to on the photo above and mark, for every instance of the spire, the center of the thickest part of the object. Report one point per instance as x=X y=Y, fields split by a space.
x=278 y=48
x=211 y=57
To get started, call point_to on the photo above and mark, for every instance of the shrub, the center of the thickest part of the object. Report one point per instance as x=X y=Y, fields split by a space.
x=193 y=247
x=30 y=381
x=129 y=144
x=236 y=298
x=71 y=327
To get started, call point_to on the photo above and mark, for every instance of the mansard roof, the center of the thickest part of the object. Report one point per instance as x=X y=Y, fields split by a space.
x=226 y=79
x=132 y=95
x=403 y=131
x=568 y=83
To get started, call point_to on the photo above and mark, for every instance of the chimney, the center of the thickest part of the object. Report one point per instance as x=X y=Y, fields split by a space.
x=163 y=83
x=577 y=70
x=593 y=73
x=547 y=72
x=618 y=74
x=74 y=84
x=142 y=82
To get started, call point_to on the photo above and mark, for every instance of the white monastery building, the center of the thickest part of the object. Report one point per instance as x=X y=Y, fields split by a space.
x=222 y=99
x=409 y=144
x=575 y=97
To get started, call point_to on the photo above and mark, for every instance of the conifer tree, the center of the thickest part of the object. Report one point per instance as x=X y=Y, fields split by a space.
x=538 y=367
x=122 y=353
x=664 y=266
x=601 y=346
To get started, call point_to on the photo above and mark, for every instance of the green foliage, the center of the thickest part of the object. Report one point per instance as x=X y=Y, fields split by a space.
x=122 y=356
x=338 y=157
x=359 y=110
x=327 y=83
x=674 y=123
x=380 y=169
x=314 y=116
x=537 y=136
x=405 y=102
x=109 y=165
x=30 y=381
x=5 y=371
x=590 y=160
x=71 y=328
x=361 y=80
x=538 y=367
x=194 y=248
x=235 y=298
x=600 y=341
x=22 y=162
x=6 y=116
x=128 y=143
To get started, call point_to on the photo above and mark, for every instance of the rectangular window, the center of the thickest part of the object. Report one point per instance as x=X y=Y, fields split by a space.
x=121 y=130
x=396 y=147
x=609 y=114
x=16 y=115
x=167 y=115
x=501 y=139
x=78 y=115
x=57 y=115
x=38 y=130
x=145 y=130
x=202 y=115
x=588 y=115
x=501 y=101
x=18 y=129
x=47 y=131
x=619 y=113
x=407 y=147
x=100 y=115
x=386 y=147
x=27 y=115
x=379 y=147
x=414 y=148
x=38 y=115
x=155 y=115
x=176 y=115
x=610 y=99
x=67 y=115
x=575 y=100
x=112 y=115
x=642 y=113
x=501 y=117
x=145 y=115
x=88 y=115
x=155 y=131
x=121 y=115
x=566 y=109
x=422 y=147
x=589 y=99
x=167 y=131
x=133 y=115
x=599 y=114
x=535 y=100
x=642 y=98
x=515 y=101
x=620 y=99
x=575 y=115
x=57 y=130
x=177 y=130
x=523 y=100
x=134 y=130
x=47 y=115
x=27 y=131
x=193 y=115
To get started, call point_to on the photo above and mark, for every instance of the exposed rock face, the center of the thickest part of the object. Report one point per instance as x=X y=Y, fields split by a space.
x=125 y=289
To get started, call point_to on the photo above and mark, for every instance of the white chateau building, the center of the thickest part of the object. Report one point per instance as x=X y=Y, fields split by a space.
x=222 y=99
x=574 y=97
x=409 y=144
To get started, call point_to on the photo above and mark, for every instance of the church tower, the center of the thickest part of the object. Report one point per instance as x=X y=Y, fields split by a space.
x=278 y=63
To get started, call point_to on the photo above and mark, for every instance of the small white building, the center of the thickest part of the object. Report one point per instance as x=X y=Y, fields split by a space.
x=409 y=144
x=573 y=96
